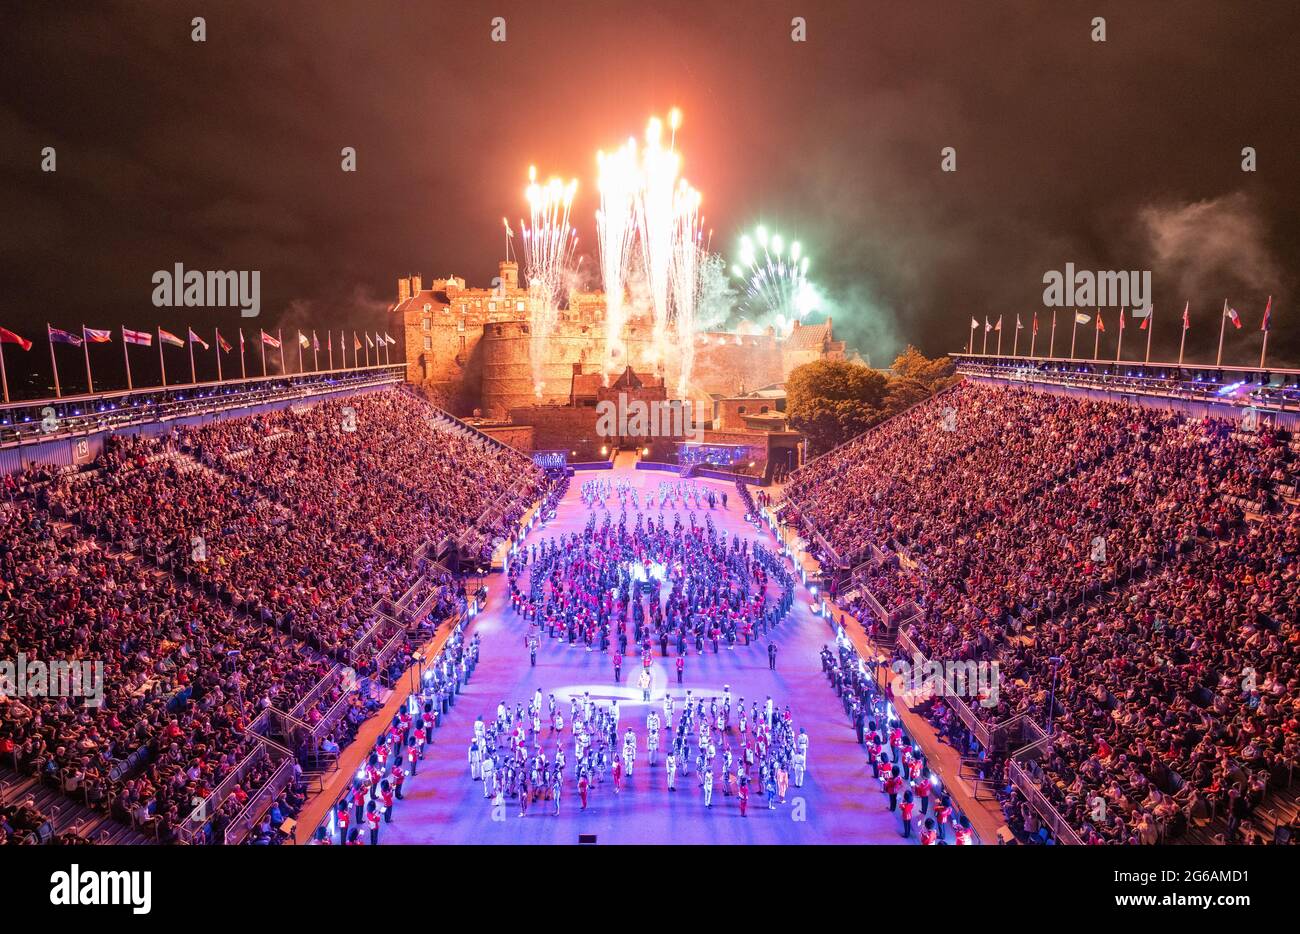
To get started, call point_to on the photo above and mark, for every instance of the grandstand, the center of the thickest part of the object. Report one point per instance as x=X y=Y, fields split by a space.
x=1128 y=557
x=254 y=571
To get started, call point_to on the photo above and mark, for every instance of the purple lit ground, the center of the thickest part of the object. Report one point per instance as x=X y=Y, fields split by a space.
x=840 y=801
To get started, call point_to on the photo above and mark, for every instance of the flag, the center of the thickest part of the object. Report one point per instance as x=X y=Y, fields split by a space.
x=1121 y=319
x=63 y=337
x=1081 y=318
x=143 y=338
x=1187 y=321
x=96 y=336
x=974 y=324
x=1019 y=326
x=9 y=337
x=1035 y=322
x=303 y=340
x=369 y=342
x=167 y=337
x=390 y=340
x=1145 y=315
x=315 y=341
x=269 y=341
x=356 y=342
x=987 y=326
x=1268 y=314
x=998 y=326
x=1234 y=317
x=221 y=342
x=195 y=339
x=1101 y=325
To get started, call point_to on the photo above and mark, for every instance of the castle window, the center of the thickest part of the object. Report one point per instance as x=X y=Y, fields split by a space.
x=478 y=303
x=428 y=324
x=428 y=343
x=460 y=325
x=740 y=410
x=763 y=410
x=492 y=306
x=519 y=306
x=462 y=343
x=428 y=307
x=464 y=308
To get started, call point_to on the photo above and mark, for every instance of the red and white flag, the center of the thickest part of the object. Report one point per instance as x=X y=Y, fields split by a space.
x=1234 y=317
x=269 y=341
x=9 y=337
x=1187 y=323
x=143 y=338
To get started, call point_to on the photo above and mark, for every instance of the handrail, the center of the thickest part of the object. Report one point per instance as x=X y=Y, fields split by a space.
x=243 y=822
x=1056 y=823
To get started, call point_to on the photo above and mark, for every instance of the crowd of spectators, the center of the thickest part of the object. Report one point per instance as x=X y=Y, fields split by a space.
x=1151 y=553
x=220 y=572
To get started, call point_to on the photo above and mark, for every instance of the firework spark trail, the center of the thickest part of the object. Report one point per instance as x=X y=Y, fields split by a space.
x=657 y=227
x=685 y=277
x=616 y=226
x=549 y=245
x=777 y=280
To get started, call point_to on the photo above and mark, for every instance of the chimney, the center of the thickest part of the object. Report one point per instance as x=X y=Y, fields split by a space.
x=509 y=272
x=577 y=369
x=403 y=289
x=417 y=284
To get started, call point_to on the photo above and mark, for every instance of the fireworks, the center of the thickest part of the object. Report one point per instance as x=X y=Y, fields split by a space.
x=776 y=279
x=659 y=168
x=549 y=244
x=685 y=276
x=619 y=182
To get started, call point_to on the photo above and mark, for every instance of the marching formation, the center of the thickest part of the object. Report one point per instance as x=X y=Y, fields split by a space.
x=727 y=747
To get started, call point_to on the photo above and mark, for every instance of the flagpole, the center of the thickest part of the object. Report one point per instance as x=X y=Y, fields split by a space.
x=1119 y=345
x=1263 y=350
x=1015 y=339
x=984 y=351
x=1223 y=320
x=300 y=351
x=242 y=374
x=279 y=336
x=261 y=339
x=54 y=363
x=999 y=335
x=189 y=339
x=85 y=347
x=1051 y=348
x=1033 y=335
x=1073 y=333
x=970 y=341
x=315 y=353
x=4 y=377
x=126 y=358
x=1096 y=337
x=1182 y=341
x=1151 y=326
x=356 y=352
x=217 y=343
x=162 y=364
x=329 y=345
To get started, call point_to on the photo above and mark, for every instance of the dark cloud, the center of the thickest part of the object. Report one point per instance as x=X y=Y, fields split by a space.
x=225 y=154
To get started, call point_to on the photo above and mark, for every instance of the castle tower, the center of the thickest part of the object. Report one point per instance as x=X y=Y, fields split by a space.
x=509 y=273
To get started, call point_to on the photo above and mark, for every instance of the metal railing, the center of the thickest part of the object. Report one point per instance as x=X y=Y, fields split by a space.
x=1058 y=826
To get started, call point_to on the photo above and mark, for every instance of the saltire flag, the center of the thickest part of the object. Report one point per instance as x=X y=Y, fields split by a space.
x=270 y=341
x=59 y=336
x=1268 y=314
x=195 y=339
x=96 y=336
x=998 y=326
x=390 y=340
x=1101 y=325
x=9 y=337
x=143 y=338
x=221 y=342
x=1187 y=323
x=1081 y=318
x=302 y=340
x=1234 y=317
x=1145 y=315
x=1035 y=322
x=167 y=337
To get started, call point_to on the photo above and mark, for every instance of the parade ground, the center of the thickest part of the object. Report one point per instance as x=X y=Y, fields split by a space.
x=838 y=803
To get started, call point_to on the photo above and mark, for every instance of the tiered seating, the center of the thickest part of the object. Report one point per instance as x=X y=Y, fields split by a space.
x=995 y=529
x=196 y=579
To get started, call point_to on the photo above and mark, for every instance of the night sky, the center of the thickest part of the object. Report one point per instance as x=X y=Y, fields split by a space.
x=226 y=154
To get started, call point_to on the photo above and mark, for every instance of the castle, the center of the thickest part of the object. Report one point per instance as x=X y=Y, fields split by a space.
x=472 y=348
